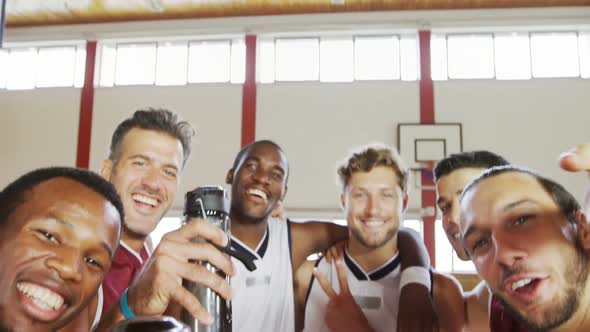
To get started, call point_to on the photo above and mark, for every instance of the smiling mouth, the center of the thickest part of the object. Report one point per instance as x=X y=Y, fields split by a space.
x=145 y=200
x=41 y=296
x=374 y=223
x=523 y=289
x=258 y=193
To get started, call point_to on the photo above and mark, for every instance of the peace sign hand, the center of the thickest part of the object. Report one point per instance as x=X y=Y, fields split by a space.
x=342 y=312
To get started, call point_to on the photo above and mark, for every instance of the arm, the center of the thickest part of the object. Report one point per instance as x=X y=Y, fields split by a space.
x=301 y=283
x=313 y=237
x=477 y=303
x=160 y=280
x=416 y=310
x=412 y=249
x=448 y=299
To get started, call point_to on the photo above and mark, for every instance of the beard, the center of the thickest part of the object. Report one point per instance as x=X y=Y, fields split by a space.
x=372 y=244
x=565 y=307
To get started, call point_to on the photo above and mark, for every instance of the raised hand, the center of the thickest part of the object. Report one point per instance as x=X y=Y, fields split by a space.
x=342 y=313
x=160 y=281
x=335 y=252
x=576 y=159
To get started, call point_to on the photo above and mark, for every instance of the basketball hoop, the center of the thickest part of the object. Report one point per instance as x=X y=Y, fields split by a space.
x=424 y=167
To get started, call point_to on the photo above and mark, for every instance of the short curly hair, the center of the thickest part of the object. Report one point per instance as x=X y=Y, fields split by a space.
x=371 y=156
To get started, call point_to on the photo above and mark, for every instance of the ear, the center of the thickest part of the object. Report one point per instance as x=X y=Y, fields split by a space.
x=343 y=201
x=106 y=168
x=229 y=177
x=583 y=229
x=405 y=203
x=285 y=192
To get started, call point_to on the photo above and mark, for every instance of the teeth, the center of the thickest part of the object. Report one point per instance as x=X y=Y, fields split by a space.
x=374 y=223
x=145 y=200
x=41 y=296
x=258 y=193
x=457 y=235
x=522 y=282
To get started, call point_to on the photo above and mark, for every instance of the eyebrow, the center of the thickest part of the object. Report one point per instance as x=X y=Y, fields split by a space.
x=146 y=158
x=517 y=203
x=60 y=221
x=103 y=244
x=276 y=167
x=470 y=230
x=442 y=199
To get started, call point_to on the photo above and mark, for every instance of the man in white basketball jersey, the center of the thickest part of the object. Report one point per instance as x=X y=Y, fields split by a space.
x=361 y=292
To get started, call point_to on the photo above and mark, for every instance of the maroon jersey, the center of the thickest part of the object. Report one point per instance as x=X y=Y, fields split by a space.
x=501 y=320
x=126 y=264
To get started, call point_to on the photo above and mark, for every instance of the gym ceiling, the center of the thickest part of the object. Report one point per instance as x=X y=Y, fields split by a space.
x=21 y=13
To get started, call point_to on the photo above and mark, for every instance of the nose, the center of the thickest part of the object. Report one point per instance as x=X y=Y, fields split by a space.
x=508 y=252
x=373 y=207
x=454 y=212
x=261 y=176
x=152 y=179
x=67 y=263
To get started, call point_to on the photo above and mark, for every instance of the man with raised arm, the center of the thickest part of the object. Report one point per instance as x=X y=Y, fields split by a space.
x=530 y=240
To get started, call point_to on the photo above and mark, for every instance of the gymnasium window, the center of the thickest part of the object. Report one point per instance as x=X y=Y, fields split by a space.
x=135 y=64
x=555 y=55
x=337 y=58
x=470 y=56
x=23 y=67
x=584 y=42
x=510 y=55
x=446 y=258
x=166 y=225
x=173 y=62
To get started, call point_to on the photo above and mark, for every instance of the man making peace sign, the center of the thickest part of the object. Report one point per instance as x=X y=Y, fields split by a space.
x=365 y=294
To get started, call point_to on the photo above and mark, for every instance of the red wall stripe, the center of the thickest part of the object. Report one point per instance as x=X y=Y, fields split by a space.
x=86 y=106
x=427 y=117
x=249 y=93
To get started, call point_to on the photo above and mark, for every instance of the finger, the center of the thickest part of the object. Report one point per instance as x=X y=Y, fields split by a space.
x=577 y=159
x=191 y=304
x=200 y=275
x=342 y=280
x=185 y=251
x=199 y=228
x=324 y=283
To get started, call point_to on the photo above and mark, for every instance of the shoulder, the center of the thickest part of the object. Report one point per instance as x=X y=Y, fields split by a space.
x=449 y=302
x=478 y=307
x=445 y=284
x=479 y=297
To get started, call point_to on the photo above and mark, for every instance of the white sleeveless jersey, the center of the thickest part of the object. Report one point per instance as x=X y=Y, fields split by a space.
x=376 y=292
x=263 y=299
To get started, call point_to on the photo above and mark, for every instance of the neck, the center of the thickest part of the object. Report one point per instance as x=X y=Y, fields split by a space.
x=133 y=240
x=580 y=320
x=249 y=231
x=372 y=258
